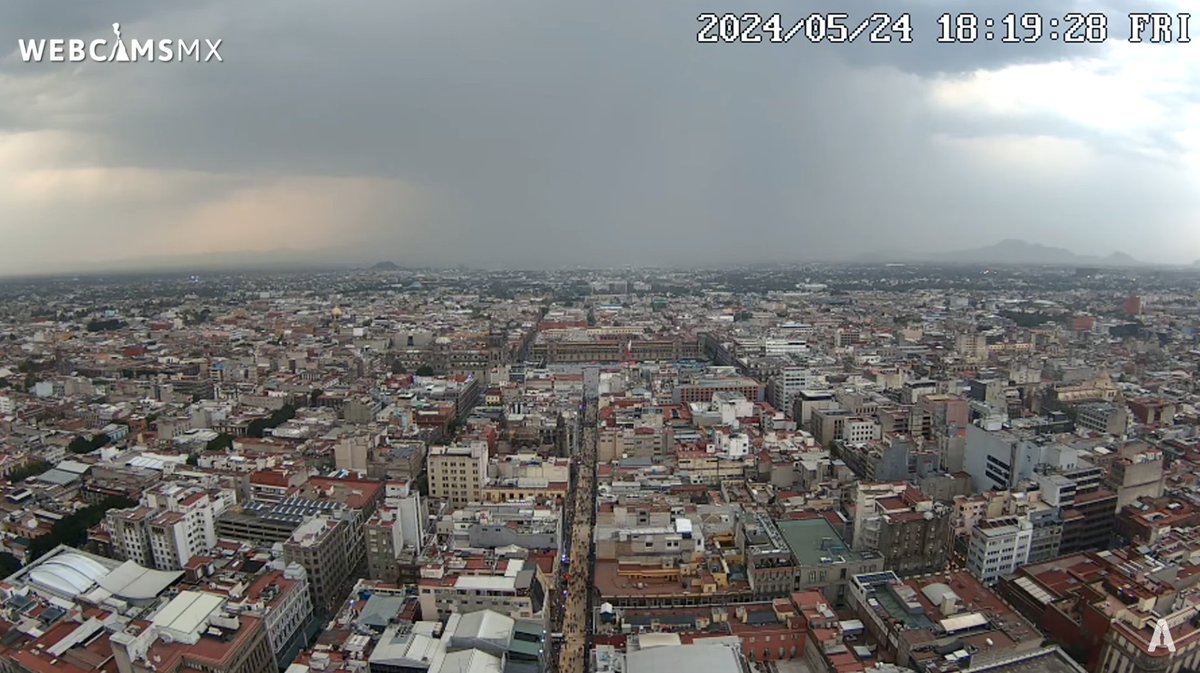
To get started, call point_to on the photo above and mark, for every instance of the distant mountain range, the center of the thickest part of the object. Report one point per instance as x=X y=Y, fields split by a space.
x=1010 y=251
x=385 y=266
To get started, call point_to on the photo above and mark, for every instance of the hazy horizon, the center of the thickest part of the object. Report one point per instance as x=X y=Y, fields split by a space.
x=529 y=134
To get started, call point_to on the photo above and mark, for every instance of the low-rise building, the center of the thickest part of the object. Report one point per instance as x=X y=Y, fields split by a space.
x=513 y=587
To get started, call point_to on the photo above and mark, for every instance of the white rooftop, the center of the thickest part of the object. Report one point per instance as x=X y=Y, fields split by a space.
x=514 y=567
x=486 y=583
x=68 y=573
x=694 y=658
x=481 y=625
x=131 y=581
x=73 y=466
x=188 y=612
x=471 y=661
x=963 y=622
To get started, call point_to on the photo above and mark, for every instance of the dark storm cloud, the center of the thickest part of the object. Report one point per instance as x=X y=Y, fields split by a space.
x=547 y=133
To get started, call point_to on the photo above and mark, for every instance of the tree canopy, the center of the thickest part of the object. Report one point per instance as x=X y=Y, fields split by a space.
x=281 y=415
x=221 y=442
x=72 y=530
x=31 y=469
x=82 y=444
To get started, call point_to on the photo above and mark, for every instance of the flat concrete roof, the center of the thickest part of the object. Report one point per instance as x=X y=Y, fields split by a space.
x=696 y=658
x=805 y=536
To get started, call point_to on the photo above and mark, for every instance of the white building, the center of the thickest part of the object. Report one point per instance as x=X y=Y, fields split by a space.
x=172 y=524
x=998 y=459
x=999 y=546
x=411 y=512
x=788 y=383
x=515 y=590
x=734 y=445
x=860 y=430
x=731 y=407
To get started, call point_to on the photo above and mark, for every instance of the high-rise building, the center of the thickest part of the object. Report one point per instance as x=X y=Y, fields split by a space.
x=972 y=347
x=396 y=532
x=331 y=549
x=998 y=547
x=172 y=524
x=788 y=383
x=1136 y=473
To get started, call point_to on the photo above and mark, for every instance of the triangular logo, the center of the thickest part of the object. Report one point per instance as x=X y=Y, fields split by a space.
x=119 y=53
x=1162 y=637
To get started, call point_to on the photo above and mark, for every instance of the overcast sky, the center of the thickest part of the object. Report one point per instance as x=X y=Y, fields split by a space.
x=548 y=133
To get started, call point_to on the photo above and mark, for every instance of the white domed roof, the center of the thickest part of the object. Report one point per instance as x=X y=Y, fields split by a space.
x=68 y=573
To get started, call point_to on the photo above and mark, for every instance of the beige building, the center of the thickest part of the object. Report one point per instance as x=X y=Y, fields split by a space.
x=351 y=453
x=638 y=442
x=457 y=474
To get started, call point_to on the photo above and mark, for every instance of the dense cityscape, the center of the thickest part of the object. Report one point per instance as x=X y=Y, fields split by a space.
x=777 y=469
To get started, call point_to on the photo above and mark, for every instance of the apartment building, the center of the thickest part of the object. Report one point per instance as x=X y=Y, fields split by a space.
x=494 y=526
x=331 y=549
x=632 y=442
x=908 y=529
x=824 y=562
x=945 y=622
x=396 y=530
x=457 y=474
x=171 y=525
x=1104 y=417
x=1136 y=473
x=673 y=544
x=770 y=566
x=266 y=523
x=1103 y=607
x=805 y=402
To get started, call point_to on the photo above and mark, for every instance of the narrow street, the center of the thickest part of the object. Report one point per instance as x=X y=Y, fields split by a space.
x=575 y=578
